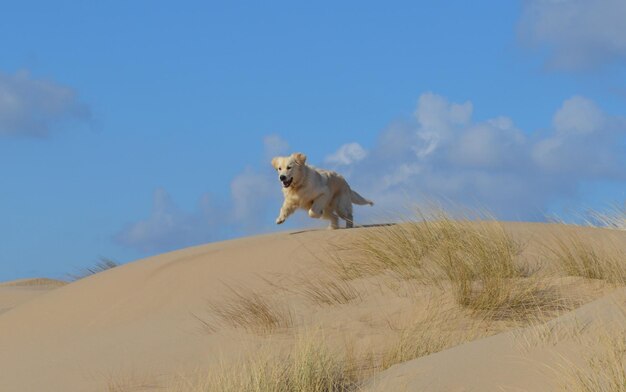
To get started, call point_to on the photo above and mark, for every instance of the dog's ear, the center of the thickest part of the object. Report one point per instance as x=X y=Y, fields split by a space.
x=275 y=162
x=299 y=157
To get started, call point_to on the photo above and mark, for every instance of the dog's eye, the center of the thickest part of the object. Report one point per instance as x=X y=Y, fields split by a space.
x=288 y=167
x=280 y=168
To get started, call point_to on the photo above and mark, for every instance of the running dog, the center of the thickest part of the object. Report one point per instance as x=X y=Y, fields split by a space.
x=324 y=193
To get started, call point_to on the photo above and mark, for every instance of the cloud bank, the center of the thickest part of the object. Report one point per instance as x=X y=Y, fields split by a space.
x=32 y=108
x=577 y=34
x=347 y=154
x=253 y=192
x=442 y=153
x=169 y=228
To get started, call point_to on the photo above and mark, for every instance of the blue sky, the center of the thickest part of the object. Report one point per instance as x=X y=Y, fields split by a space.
x=132 y=128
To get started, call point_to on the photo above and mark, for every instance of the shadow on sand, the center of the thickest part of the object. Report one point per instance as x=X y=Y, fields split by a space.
x=344 y=228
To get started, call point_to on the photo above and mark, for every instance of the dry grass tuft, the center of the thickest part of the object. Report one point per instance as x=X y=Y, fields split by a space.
x=35 y=283
x=115 y=386
x=435 y=330
x=308 y=367
x=327 y=291
x=604 y=369
x=576 y=256
x=523 y=300
x=318 y=289
x=598 y=362
x=601 y=366
x=546 y=334
x=614 y=218
x=477 y=260
x=399 y=249
x=249 y=310
x=102 y=265
x=131 y=383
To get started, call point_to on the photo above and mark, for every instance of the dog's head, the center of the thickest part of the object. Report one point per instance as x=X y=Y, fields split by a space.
x=289 y=168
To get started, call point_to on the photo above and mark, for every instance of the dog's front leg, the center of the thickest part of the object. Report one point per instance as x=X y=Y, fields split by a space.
x=287 y=209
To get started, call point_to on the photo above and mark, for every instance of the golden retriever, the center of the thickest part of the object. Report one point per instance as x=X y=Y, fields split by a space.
x=324 y=193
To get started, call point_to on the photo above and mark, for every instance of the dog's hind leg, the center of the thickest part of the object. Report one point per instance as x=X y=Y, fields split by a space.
x=333 y=218
x=319 y=204
x=344 y=210
x=349 y=220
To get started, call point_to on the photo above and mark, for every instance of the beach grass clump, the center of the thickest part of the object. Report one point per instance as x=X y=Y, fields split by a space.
x=584 y=257
x=309 y=367
x=251 y=311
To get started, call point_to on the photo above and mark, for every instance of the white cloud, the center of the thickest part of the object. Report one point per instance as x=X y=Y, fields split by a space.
x=32 y=108
x=446 y=154
x=252 y=208
x=579 y=34
x=578 y=115
x=347 y=154
x=492 y=143
x=255 y=199
x=401 y=174
x=586 y=142
x=251 y=192
x=169 y=228
x=434 y=112
x=438 y=120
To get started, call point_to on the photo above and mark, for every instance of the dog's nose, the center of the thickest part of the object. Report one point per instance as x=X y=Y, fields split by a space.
x=283 y=177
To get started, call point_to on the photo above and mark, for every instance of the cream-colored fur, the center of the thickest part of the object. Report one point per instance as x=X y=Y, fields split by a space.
x=324 y=193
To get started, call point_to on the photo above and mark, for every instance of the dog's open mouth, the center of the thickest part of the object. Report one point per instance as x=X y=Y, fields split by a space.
x=288 y=182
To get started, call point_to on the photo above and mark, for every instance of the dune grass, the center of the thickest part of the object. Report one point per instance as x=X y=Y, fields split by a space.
x=586 y=258
x=591 y=356
x=131 y=382
x=102 y=265
x=600 y=366
x=328 y=291
x=604 y=367
x=36 y=282
x=309 y=367
x=613 y=218
x=601 y=363
x=476 y=260
x=438 y=328
x=319 y=289
x=548 y=334
x=250 y=311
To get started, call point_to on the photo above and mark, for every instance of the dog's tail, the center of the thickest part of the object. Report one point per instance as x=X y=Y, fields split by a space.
x=360 y=200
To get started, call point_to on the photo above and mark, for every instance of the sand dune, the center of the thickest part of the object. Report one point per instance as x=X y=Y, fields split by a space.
x=135 y=318
x=19 y=291
x=140 y=322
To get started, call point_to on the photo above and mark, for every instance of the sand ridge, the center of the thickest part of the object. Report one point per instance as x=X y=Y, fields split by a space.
x=16 y=292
